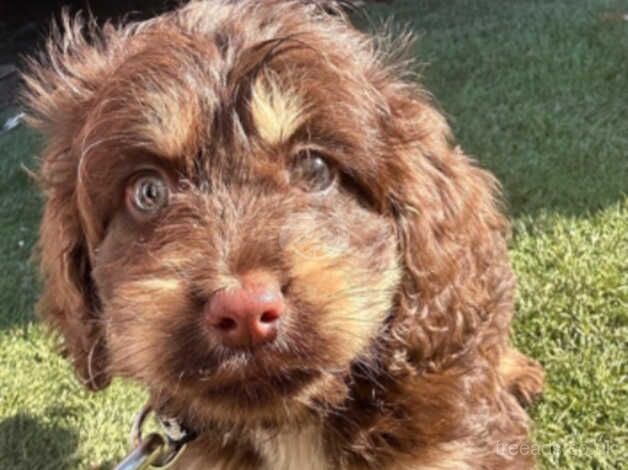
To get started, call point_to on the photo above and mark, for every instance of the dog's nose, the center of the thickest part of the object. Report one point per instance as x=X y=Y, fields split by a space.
x=247 y=315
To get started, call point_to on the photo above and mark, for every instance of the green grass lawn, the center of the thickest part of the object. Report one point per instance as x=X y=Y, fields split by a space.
x=538 y=92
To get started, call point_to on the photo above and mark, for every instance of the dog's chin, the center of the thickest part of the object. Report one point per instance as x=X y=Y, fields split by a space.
x=268 y=399
x=251 y=396
x=266 y=384
x=255 y=390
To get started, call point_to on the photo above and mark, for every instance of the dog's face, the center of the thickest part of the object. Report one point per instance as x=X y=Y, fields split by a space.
x=242 y=198
x=218 y=169
x=275 y=217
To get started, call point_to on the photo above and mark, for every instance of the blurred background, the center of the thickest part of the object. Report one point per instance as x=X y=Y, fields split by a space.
x=24 y=25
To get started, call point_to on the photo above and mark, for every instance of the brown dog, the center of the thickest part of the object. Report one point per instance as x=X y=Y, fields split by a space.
x=251 y=212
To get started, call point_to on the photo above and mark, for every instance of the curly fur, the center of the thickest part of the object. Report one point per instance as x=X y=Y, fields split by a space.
x=395 y=354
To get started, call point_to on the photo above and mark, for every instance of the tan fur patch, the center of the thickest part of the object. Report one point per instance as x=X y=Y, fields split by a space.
x=148 y=297
x=170 y=122
x=160 y=291
x=326 y=279
x=300 y=448
x=277 y=113
x=160 y=284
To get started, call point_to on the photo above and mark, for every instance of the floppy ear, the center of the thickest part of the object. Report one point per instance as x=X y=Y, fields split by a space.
x=69 y=302
x=458 y=287
x=58 y=89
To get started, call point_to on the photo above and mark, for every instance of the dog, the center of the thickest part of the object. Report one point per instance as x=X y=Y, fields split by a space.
x=252 y=210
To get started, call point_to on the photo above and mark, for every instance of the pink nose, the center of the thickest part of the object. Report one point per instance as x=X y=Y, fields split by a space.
x=246 y=316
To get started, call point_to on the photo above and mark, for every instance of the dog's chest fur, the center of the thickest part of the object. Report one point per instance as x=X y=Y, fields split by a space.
x=290 y=449
x=293 y=448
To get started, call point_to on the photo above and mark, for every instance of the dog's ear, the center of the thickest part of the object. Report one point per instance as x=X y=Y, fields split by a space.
x=58 y=88
x=69 y=302
x=458 y=284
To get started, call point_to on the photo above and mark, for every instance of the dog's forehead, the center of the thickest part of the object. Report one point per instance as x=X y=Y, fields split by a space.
x=173 y=106
x=185 y=94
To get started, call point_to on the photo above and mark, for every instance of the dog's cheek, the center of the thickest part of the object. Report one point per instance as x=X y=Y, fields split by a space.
x=140 y=318
x=349 y=297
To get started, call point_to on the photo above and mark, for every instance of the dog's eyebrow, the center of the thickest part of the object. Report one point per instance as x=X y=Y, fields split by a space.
x=170 y=121
x=277 y=111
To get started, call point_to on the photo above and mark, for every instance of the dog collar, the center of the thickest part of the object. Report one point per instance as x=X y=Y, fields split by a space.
x=156 y=450
x=176 y=432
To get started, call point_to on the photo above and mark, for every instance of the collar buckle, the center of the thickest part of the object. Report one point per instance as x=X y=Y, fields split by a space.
x=156 y=450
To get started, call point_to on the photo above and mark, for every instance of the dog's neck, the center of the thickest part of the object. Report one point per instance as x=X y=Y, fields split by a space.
x=257 y=447
x=292 y=447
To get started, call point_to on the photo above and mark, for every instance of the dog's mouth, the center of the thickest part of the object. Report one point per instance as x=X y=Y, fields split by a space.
x=261 y=390
x=250 y=378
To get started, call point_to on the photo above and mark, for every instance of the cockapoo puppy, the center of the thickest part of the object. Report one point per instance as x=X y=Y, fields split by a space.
x=255 y=213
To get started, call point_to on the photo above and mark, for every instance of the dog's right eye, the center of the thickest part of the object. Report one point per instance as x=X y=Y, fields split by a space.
x=147 y=194
x=311 y=170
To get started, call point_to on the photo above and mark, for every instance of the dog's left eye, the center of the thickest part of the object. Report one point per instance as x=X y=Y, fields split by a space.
x=147 y=194
x=310 y=169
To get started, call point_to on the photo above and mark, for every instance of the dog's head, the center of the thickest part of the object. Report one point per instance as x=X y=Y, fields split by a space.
x=244 y=200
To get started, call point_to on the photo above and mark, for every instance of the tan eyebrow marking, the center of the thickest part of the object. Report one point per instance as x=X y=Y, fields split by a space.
x=277 y=113
x=170 y=121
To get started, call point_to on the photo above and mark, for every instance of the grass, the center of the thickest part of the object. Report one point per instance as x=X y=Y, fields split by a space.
x=538 y=91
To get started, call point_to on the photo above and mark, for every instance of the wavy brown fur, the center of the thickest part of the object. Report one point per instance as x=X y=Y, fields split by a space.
x=395 y=353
